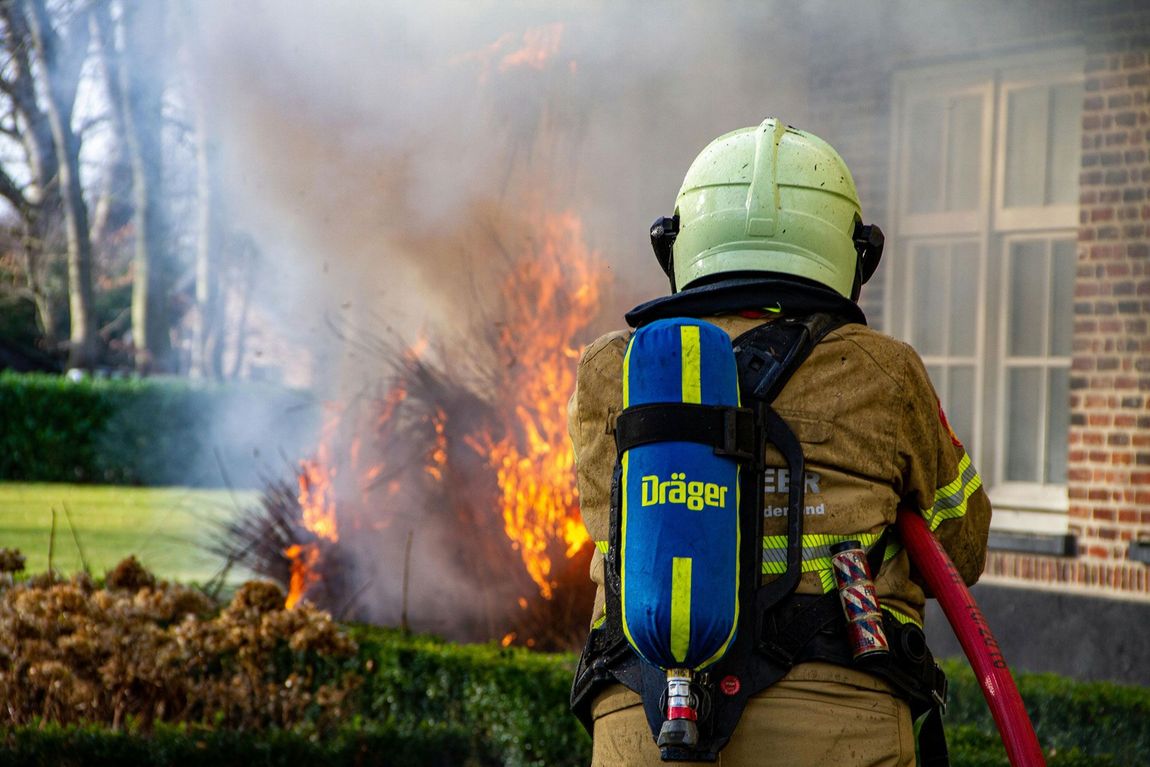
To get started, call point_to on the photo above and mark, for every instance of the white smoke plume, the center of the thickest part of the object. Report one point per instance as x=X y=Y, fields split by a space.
x=375 y=150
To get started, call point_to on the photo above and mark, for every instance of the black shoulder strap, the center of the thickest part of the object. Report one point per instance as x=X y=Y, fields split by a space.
x=767 y=356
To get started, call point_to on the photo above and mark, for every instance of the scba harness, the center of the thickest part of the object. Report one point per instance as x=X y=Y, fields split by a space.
x=684 y=559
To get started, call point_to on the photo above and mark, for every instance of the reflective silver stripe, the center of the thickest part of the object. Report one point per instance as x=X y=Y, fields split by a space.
x=816 y=553
x=950 y=501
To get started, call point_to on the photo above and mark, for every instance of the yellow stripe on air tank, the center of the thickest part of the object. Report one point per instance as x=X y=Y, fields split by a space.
x=626 y=374
x=692 y=363
x=623 y=548
x=680 y=607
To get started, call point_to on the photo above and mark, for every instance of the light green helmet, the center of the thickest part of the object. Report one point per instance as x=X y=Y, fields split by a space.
x=771 y=199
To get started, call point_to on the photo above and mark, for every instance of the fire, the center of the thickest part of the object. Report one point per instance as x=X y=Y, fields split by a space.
x=304 y=558
x=317 y=504
x=540 y=44
x=537 y=47
x=316 y=490
x=316 y=498
x=438 y=458
x=549 y=305
x=486 y=443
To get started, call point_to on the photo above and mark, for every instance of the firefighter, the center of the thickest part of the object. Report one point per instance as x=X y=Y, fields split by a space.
x=768 y=225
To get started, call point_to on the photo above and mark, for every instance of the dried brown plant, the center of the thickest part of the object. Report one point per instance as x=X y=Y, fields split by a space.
x=140 y=651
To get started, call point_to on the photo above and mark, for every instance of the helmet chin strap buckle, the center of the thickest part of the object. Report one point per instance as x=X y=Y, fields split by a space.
x=663 y=234
x=869 y=241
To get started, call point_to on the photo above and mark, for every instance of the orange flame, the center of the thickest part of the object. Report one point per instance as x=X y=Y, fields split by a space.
x=304 y=558
x=316 y=498
x=438 y=457
x=549 y=306
x=540 y=44
x=317 y=503
x=538 y=47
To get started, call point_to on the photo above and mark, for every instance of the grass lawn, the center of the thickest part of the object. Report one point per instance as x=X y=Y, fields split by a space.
x=166 y=528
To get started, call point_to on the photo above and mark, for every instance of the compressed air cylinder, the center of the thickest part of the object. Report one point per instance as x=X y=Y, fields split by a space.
x=679 y=511
x=859 y=600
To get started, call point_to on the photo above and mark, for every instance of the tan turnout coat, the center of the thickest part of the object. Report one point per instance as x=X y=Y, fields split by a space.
x=875 y=438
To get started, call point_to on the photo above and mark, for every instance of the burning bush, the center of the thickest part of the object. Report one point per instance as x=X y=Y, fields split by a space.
x=141 y=650
x=446 y=498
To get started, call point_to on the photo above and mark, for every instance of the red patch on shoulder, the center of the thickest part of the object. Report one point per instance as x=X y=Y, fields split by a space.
x=946 y=425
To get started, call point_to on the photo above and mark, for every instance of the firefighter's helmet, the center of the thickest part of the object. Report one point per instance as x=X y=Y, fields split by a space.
x=770 y=199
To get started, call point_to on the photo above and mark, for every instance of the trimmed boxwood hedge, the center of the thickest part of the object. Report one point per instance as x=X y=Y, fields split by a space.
x=1106 y=722
x=514 y=703
x=428 y=702
x=168 y=746
x=512 y=700
x=142 y=431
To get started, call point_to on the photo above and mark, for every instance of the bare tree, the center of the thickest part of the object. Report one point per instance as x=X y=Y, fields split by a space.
x=60 y=55
x=29 y=181
x=133 y=44
x=207 y=334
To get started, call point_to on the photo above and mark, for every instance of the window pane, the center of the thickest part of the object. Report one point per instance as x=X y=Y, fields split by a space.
x=964 y=157
x=928 y=278
x=1026 y=136
x=925 y=161
x=1057 y=425
x=1023 y=387
x=1065 y=138
x=963 y=298
x=1064 y=265
x=1027 y=305
x=937 y=375
x=960 y=401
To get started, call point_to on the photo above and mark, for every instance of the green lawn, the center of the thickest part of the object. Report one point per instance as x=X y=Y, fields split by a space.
x=166 y=528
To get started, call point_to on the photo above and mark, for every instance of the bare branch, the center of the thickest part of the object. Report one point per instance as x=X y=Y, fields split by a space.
x=12 y=192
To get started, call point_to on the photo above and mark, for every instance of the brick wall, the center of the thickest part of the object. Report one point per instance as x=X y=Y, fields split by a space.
x=1109 y=450
x=1109 y=456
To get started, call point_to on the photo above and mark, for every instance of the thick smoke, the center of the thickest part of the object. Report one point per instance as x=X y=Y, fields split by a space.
x=376 y=150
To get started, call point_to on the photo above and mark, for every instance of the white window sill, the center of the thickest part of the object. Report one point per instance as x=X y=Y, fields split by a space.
x=1040 y=509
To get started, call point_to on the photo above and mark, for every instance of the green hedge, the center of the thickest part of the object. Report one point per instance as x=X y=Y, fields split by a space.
x=1107 y=722
x=145 y=431
x=513 y=701
x=515 y=704
x=428 y=702
x=167 y=746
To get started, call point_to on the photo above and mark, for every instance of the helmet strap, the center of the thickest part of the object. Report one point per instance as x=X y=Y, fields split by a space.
x=663 y=234
x=869 y=241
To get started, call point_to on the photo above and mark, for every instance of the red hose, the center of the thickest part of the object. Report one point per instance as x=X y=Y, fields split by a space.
x=974 y=635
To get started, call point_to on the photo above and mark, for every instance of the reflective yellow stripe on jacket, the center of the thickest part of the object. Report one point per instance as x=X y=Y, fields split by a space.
x=950 y=500
x=816 y=554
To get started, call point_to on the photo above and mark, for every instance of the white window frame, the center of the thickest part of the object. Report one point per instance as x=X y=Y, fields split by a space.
x=1019 y=506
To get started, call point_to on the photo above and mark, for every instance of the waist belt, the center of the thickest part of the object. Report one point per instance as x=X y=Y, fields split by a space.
x=803 y=628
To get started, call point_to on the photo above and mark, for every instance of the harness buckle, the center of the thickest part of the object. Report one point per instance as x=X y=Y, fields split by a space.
x=738 y=434
x=939 y=689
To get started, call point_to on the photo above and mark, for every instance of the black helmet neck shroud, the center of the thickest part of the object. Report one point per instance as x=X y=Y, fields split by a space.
x=790 y=296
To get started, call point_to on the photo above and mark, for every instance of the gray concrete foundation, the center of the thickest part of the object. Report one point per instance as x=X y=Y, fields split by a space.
x=1073 y=635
